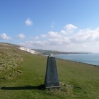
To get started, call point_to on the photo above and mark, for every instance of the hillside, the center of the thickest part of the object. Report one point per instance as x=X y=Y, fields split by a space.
x=48 y=52
x=22 y=77
x=10 y=58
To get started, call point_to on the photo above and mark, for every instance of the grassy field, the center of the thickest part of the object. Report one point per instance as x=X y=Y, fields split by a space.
x=25 y=79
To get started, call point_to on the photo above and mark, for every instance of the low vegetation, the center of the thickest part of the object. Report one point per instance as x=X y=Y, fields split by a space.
x=22 y=77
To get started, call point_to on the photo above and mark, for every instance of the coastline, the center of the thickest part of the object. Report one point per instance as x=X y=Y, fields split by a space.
x=72 y=60
x=77 y=62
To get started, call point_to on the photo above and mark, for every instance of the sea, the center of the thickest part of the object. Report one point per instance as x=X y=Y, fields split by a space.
x=91 y=58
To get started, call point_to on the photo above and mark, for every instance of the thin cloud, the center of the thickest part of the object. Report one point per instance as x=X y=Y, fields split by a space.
x=52 y=25
x=70 y=28
x=54 y=34
x=5 y=37
x=63 y=32
x=86 y=36
x=43 y=35
x=21 y=36
x=28 y=22
x=34 y=38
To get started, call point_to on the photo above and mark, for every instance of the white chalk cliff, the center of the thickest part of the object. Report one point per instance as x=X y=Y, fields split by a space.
x=28 y=50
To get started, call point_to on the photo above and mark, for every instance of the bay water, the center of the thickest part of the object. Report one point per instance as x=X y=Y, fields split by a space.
x=84 y=58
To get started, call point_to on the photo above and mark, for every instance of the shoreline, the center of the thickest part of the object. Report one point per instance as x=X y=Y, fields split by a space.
x=78 y=62
x=72 y=61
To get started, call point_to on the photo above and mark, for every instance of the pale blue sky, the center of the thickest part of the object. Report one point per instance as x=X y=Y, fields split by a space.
x=64 y=25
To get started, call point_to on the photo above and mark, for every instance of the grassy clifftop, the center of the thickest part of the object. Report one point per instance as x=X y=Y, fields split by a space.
x=22 y=77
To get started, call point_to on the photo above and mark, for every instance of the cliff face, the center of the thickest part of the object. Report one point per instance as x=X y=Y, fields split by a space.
x=28 y=50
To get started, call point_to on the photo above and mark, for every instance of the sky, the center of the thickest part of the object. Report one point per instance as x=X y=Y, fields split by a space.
x=62 y=25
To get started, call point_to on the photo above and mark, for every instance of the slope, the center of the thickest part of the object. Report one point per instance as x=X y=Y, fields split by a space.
x=77 y=80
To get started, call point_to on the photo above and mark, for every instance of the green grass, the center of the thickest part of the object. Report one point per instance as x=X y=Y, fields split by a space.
x=77 y=80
